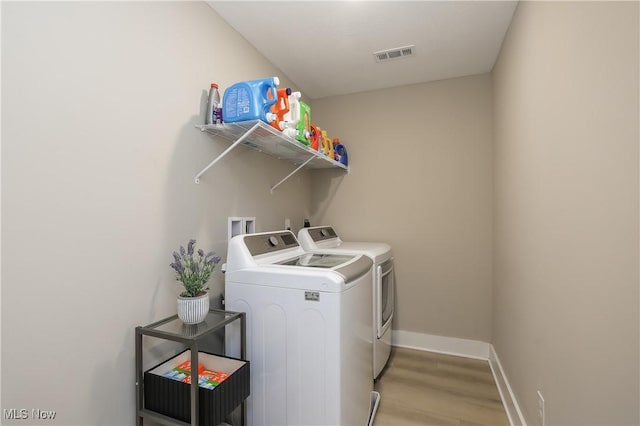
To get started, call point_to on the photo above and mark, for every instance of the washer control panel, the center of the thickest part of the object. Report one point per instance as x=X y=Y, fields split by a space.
x=270 y=242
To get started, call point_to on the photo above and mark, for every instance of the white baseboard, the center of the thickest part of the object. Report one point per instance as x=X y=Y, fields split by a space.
x=468 y=349
x=506 y=394
x=444 y=345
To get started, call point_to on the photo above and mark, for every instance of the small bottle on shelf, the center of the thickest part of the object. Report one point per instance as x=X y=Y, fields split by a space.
x=214 y=112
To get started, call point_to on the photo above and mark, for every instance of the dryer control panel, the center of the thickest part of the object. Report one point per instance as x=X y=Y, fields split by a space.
x=321 y=234
x=270 y=242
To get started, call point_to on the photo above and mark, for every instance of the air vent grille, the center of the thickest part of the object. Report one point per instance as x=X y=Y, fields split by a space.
x=382 y=56
x=395 y=53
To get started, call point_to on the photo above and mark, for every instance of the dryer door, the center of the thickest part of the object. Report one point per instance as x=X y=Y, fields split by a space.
x=385 y=290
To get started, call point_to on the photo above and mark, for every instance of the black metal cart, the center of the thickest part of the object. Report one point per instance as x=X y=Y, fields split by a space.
x=173 y=329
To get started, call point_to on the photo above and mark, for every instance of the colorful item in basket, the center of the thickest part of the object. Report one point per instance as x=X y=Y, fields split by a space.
x=208 y=379
x=175 y=374
x=185 y=367
x=182 y=371
x=215 y=378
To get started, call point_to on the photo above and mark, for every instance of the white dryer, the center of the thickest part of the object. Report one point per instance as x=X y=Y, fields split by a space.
x=324 y=239
x=309 y=339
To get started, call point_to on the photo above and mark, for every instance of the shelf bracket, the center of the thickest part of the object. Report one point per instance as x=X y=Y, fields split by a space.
x=224 y=153
x=273 y=188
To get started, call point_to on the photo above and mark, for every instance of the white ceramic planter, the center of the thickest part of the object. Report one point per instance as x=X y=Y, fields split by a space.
x=193 y=310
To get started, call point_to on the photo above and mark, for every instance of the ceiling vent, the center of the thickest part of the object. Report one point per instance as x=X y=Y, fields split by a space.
x=395 y=53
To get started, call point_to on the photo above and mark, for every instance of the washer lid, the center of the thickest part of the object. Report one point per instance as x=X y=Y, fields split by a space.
x=349 y=267
x=317 y=260
x=377 y=251
x=324 y=239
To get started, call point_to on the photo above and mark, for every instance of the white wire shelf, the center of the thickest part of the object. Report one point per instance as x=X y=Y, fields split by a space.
x=260 y=136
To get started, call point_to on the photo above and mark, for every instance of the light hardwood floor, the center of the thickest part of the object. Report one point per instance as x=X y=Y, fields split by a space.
x=426 y=388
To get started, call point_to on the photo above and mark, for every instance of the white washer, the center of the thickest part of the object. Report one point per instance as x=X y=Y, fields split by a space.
x=325 y=239
x=309 y=339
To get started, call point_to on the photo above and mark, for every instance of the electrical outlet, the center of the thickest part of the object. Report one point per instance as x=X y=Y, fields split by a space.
x=541 y=409
x=287 y=224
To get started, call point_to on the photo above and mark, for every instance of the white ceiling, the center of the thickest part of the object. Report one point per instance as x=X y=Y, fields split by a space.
x=326 y=47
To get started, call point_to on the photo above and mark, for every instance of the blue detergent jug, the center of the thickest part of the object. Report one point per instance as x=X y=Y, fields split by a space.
x=250 y=100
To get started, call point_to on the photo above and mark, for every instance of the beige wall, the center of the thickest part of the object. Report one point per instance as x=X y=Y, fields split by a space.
x=420 y=180
x=565 y=306
x=99 y=153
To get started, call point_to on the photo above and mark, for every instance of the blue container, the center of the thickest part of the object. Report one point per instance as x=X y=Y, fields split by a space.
x=341 y=154
x=250 y=100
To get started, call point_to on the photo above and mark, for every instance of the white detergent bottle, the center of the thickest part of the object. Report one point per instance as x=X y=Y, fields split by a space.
x=214 y=113
x=290 y=124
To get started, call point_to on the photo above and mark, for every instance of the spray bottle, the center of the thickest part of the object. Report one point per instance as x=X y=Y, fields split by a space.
x=281 y=107
x=290 y=124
